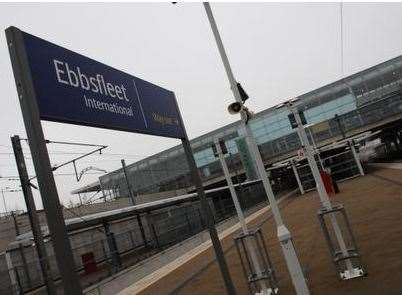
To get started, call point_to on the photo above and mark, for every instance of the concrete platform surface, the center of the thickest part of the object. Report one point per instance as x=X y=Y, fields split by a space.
x=374 y=207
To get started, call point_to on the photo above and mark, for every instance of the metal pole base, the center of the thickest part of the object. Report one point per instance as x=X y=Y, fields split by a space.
x=269 y=291
x=297 y=275
x=355 y=273
x=348 y=261
x=252 y=249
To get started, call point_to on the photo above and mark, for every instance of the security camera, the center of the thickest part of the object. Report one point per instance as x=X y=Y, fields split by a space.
x=235 y=108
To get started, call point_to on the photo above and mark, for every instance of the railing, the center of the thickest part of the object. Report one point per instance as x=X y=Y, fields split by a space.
x=359 y=120
x=342 y=166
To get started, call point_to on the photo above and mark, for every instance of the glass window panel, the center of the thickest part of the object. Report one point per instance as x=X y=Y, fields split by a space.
x=284 y=123
x=263 y=139
x=270 y=119
x=255 y=124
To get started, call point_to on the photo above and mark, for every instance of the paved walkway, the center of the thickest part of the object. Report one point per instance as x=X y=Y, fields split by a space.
x=396 y=165
x=194 y=254
x=374 y=206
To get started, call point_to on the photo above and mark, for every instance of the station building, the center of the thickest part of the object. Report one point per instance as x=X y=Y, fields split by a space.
x=367 y=101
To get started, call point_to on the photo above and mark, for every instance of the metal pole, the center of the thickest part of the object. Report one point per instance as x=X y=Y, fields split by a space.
x=240 y=215
x=296 y=173
x=340 y=126
x=22 y=253
x=320 y=186
x=130 y=192
x=33 y=216
x=40 y=156
x=114 y=253
x=4 y=201
x=131 y=195
x=206 y=210
x=356 y=157
x=230 y=289
x=316 y=151
x=231 y=187
x=284 y=235
x=102 y=189
x=79 y=196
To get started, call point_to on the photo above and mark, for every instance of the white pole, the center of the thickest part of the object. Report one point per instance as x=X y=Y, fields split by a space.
x=4 y=201
x=356 y=157
x=320 y=186
x=243 y=224
x=316 y=151
x=284 y=235
x=231 y=187
x=296 y=173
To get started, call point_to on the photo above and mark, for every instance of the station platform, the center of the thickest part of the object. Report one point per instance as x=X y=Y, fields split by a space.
x=373 y=203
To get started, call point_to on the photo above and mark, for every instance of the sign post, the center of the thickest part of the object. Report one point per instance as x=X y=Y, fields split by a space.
x=40 y=157
x=57 y=84
x=220 y=257
x=206 y=209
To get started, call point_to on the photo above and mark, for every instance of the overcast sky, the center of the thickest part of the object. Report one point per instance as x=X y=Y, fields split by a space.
x=277 y=51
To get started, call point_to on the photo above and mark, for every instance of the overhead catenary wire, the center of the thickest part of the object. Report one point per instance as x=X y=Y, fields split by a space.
x=80 y=153
x=59 y=174
x=341 y=32
x=117 y=171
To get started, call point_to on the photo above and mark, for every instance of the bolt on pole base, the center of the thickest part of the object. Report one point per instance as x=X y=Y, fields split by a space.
x=263 y=280
x=355 y=273
x=348 y=265
x=268 y=292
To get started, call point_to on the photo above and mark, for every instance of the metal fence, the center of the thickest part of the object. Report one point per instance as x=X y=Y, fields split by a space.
x=342 y=166
x=163 y=228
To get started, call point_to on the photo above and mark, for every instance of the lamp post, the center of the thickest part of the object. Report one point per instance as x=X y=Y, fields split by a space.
x=283 y=233
x=351 y=271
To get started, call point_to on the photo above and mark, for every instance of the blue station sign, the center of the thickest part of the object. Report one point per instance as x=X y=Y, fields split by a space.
x=72 y=88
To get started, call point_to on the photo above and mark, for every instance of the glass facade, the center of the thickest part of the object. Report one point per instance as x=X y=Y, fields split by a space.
x=359 y=101
x=328 y=110
x=271 y=126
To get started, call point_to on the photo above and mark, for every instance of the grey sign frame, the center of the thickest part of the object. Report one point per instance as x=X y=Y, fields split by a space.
x=40 y=157
x=47 y=186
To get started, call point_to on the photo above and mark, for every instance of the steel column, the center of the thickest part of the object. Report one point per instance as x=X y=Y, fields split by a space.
x=230 y=289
